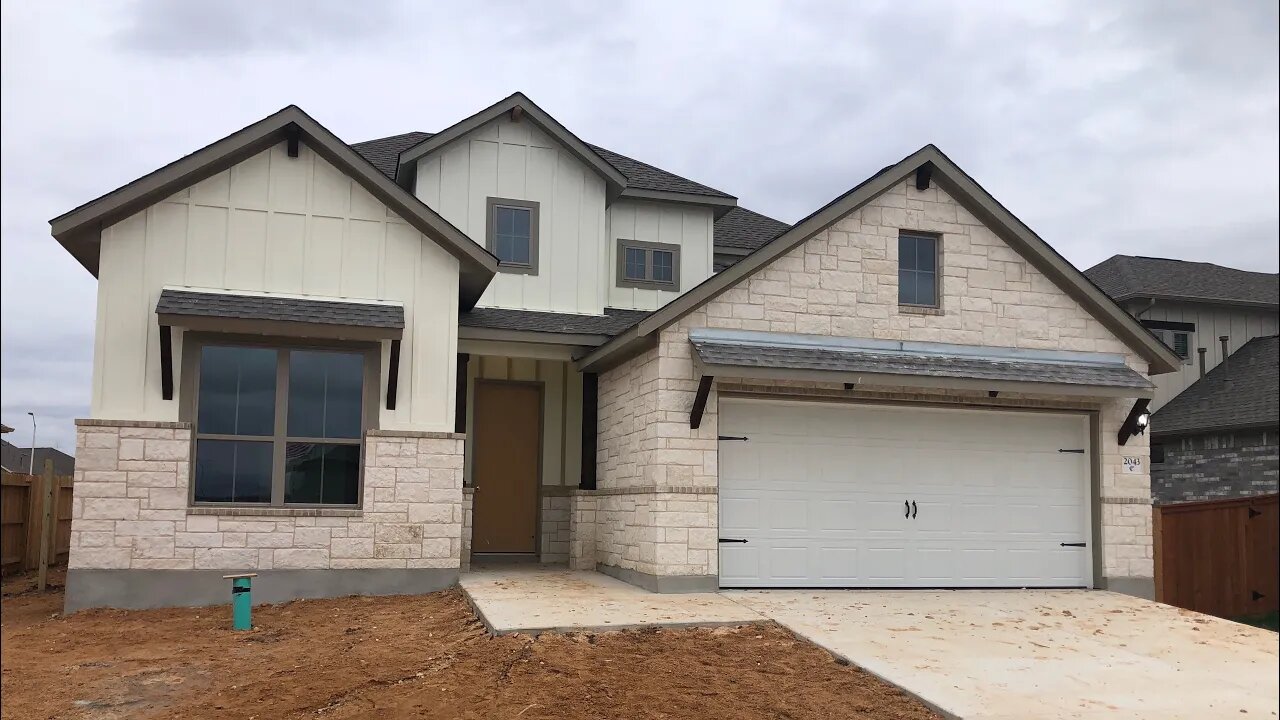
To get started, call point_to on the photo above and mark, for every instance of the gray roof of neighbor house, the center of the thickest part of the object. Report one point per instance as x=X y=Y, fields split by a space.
x=739 y=228
x=287 y=309
x=1133 y=276
x=1243 y=391
x=18 y=459
x=614 y=321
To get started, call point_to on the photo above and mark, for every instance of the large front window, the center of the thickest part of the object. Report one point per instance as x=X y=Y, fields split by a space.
x=278 y=426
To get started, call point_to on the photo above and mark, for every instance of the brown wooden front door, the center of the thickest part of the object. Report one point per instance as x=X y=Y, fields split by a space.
x=508 y=436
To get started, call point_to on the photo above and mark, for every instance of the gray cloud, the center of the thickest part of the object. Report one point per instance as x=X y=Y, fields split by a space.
x=1144 y=128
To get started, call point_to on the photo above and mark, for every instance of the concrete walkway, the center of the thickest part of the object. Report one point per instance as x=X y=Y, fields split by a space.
x=970 y=654
x=533 y=599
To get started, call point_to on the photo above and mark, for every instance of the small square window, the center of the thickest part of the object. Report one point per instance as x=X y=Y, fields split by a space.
x=918 y=269
x=648 y=265
x=513 y=234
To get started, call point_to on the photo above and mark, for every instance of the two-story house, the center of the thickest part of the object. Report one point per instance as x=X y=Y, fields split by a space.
x=1216 y=420
x=359 y=368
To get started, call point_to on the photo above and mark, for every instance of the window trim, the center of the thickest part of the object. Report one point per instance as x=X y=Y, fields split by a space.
x=648 y=283
x=491 y=240
x=188 y=411
x=937 y=271
x=1167 y=331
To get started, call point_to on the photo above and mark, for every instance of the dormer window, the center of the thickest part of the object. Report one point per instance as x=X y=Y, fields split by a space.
x=512 y=234
x=648 y=265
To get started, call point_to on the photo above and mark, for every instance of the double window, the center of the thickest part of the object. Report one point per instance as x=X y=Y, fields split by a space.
x=512 y=234
x=648 y=265
x=278 y=426
x=918 y=269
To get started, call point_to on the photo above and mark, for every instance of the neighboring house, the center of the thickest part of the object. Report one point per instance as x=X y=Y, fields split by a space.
x=16 y=459
x=1191 y=306
x=1218 y=438
x=358 y=368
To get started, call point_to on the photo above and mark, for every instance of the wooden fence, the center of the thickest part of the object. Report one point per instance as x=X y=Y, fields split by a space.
x=22 y=521
x=1220 y=556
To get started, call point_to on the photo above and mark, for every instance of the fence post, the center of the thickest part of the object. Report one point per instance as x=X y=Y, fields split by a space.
x=45 y=517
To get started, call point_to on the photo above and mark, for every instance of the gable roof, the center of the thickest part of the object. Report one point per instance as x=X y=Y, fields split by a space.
x=1124 y=277
x=960 y=186
x=79 y=230
x=1242 y=391
x=18 y=459
x=615 y=181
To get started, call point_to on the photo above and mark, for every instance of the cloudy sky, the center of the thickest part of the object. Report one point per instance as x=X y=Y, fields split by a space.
x=1138 y=127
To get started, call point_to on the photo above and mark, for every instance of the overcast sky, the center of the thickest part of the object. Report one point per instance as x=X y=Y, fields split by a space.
x=1137 y=127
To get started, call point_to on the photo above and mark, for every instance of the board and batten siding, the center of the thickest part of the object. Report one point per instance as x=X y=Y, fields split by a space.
x=517 y=161
x=1240 y=325
x=688 y=226
x=274 y=224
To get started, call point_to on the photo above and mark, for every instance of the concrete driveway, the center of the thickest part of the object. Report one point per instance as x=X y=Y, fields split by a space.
x=1040 y=654
x=969 y=653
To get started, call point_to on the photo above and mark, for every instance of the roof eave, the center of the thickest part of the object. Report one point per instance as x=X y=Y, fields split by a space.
x=1190 y=299
x=79 y=230
x=1230 y=427
x=719 y=204
x=1022 y=238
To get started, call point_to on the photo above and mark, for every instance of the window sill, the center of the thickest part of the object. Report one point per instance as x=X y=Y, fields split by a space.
x=275 y=511
x=919 y=310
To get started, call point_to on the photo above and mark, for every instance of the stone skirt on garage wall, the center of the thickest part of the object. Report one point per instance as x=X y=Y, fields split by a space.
x=137 y=542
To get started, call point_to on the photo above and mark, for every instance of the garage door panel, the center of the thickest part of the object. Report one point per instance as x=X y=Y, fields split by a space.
x=818 y=490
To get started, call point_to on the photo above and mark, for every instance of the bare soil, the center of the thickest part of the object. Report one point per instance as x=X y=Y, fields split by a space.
x=421 y=656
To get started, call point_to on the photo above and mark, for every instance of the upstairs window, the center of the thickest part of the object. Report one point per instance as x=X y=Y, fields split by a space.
x=918 y=269
x=512 y=234
x=1175 y=335
x=279 y=427
x=648 y=265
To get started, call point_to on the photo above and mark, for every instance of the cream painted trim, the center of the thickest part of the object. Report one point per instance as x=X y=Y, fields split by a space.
x=1065 y=275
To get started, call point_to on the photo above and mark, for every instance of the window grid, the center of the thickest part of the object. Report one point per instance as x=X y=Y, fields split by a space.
x=918 y=270
x=648 y=265
x=280 y=440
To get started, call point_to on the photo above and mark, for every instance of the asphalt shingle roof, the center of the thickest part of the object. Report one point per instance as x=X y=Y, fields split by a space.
x=747 y=230
x=1243 y=391
x=614 y=321
x=260 y=307
x=739 y=228
x=908 y=363
x=18 y=459
x=1127 y=276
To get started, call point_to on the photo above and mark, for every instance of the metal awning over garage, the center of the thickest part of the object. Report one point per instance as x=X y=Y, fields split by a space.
x=786 y=356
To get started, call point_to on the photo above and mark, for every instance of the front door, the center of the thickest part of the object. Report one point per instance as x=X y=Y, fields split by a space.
x=508 y=429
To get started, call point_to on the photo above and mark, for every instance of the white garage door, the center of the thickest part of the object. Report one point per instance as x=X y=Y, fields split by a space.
x=842 y=495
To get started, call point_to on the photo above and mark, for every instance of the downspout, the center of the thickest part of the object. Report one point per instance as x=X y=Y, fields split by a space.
x=1202 y=352
x=1223 y=339
x=1150 y=304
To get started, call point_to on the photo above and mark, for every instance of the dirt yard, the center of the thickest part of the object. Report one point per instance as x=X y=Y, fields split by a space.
x=391 y=657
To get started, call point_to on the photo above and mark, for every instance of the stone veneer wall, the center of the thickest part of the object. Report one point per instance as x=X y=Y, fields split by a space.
x=131 y=509
x=554 y=522
x=843 y=282
x=1215 y=466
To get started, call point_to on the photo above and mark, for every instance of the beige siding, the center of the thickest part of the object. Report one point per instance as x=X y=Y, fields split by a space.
x=518 y=161
x=283 y=225
x=688 y=226
x=1240 y=325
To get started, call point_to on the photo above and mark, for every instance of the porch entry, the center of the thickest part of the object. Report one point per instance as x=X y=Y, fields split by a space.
x=507 y=429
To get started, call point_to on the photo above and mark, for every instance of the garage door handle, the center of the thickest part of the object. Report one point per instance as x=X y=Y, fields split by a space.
x=1070 y=544
x=906 y=507
x=914 y=510
x=733 y=540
